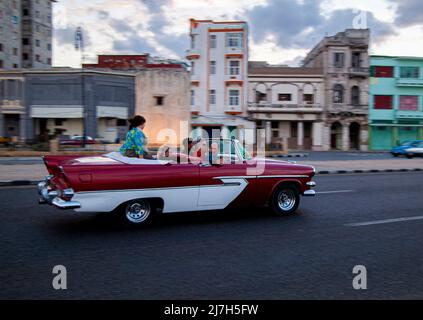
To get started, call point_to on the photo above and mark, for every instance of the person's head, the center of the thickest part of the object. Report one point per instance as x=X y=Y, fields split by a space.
x=137 y=121
x=214 y=148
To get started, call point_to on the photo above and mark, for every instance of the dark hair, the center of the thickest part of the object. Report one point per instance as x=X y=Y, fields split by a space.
x=136 y=122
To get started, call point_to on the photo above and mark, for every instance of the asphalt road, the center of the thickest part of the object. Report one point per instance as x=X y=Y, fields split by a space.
x=225 y=255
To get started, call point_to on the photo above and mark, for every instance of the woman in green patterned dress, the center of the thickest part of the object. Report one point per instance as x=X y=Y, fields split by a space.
x=134 y=145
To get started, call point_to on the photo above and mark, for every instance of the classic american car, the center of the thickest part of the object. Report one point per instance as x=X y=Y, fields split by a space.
x=136 y=189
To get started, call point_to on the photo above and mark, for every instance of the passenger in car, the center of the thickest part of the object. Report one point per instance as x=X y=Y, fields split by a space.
x=136 y=141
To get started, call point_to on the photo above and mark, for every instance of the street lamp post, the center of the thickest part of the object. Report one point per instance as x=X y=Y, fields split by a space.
x=79 y=45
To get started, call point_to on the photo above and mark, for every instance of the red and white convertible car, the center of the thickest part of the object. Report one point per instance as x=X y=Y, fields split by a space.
x=138 y=188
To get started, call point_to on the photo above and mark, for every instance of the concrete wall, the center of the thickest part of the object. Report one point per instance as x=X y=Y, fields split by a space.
x=174 y=87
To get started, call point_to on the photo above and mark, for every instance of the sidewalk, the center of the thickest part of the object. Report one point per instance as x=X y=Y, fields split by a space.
x=24 y=174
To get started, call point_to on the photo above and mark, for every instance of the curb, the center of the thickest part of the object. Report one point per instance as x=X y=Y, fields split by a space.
x=327 y=172
x=293 y=155
x=15 y=183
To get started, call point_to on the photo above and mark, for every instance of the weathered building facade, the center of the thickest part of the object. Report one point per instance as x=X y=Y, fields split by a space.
x=345 y=62
x=288 y=104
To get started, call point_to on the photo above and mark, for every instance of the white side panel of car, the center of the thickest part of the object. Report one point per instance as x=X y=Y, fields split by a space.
x=178 y=199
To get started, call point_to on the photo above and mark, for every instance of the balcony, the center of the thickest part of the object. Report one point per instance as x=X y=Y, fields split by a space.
x=408 y=115
x=234 y=80
x=359 y=72
x=193 y=54
x=362 y=109
x=284 y=108
x=409 y=82
x=233 y=110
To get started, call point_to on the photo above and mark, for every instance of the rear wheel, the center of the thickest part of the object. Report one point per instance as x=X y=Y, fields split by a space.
x=138 y=212
x=410 y=155
x=285 y=200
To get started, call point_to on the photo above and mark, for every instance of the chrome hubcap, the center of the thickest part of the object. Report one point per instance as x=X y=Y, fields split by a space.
x=138 y=211
x=286 y=200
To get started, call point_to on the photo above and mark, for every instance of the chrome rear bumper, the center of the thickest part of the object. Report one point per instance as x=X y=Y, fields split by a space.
x=310 y=193
x=52 y=197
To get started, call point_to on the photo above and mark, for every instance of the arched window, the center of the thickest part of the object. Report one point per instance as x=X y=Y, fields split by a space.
x=355 y=96
x=338 y=93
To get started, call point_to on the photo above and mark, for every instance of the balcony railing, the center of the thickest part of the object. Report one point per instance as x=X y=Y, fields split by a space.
x=408 y=114
x=409 y=82
x=192 y=54
x=289 y=108
x=358 y=109
x=360 y=71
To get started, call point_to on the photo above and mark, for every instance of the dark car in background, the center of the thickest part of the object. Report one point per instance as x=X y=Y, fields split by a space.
x=77 y=141
x=401 y=150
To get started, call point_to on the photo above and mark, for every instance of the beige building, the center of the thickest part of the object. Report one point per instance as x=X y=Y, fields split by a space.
x=345 y=62
x=162 y=97
x=288 y=103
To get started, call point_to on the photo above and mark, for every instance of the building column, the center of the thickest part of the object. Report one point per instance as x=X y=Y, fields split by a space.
x=394 y=141
x=22 y=127
x=269 y=95
x=364 y=138
x=346 y=137
x=2 y=131
x=300 y=135
x=268 y=132
x=326 y=137
x=317 y=131
x=421 y=133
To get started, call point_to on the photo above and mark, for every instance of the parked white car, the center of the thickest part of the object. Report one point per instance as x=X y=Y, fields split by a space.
x=417 y=151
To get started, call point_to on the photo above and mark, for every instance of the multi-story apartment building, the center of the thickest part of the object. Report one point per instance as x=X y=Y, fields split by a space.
x=345 y=63
x=219 y=66
x=288 y=104
x=25 y=34
x=10 y=34
x=396 y=101
x=37 y=31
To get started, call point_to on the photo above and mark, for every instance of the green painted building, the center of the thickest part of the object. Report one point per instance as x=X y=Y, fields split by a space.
x=395 y=101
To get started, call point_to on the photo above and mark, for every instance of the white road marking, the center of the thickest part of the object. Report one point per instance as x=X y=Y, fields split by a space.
x=370 y=223
x=331 y=192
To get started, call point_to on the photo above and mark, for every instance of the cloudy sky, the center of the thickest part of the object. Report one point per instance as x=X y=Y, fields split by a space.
x=281 y=31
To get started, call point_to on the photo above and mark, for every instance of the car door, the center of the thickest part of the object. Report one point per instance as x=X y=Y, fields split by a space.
x=221 y=182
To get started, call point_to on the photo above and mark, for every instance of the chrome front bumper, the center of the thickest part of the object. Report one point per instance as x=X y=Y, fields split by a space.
x=310 y=193
x=52 y=197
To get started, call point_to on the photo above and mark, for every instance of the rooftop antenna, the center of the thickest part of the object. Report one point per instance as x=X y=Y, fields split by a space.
x=79 y=43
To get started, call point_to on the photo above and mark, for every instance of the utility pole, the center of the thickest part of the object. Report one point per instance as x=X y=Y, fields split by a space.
x=79 y=46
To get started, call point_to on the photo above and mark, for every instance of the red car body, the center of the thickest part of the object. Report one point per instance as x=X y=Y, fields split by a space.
x=104 y=183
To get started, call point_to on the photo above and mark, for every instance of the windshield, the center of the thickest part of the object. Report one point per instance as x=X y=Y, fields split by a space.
x=407 y=143
x=244 y=153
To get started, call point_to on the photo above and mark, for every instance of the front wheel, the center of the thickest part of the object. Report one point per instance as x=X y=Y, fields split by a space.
x=285 y=200
x=410 y=156
x=138 y=212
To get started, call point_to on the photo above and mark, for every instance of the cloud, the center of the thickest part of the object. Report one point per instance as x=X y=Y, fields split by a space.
x=296 y=24
x=409 y=12
x=134 y=44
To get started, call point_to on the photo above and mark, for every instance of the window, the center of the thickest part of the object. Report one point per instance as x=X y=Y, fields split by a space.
x=37 y=58
x=192 y=97
x=159 y=100
x=15 y=51
x=25 y=41
x=213 y=40
x=338 y=59
x=383 y=102
x=284 y=97
x=49 y=46
x=234 y=97
x=409 y=72
x=234 y=68
x=338 y=93
x=37 y=14
x=382 y=72
x=308 y=98
x=355 y=59
x=37 y=43
x=37 y=27
x=212 y=67
x=15 y=66
x=49 y=61
x=25 y=12
x=25 y=56
x=192 y=67
x=409 y=103
x=355 y=96
x=212 y=97
x=1 y=64
x=234 y=40
x=1 y=47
